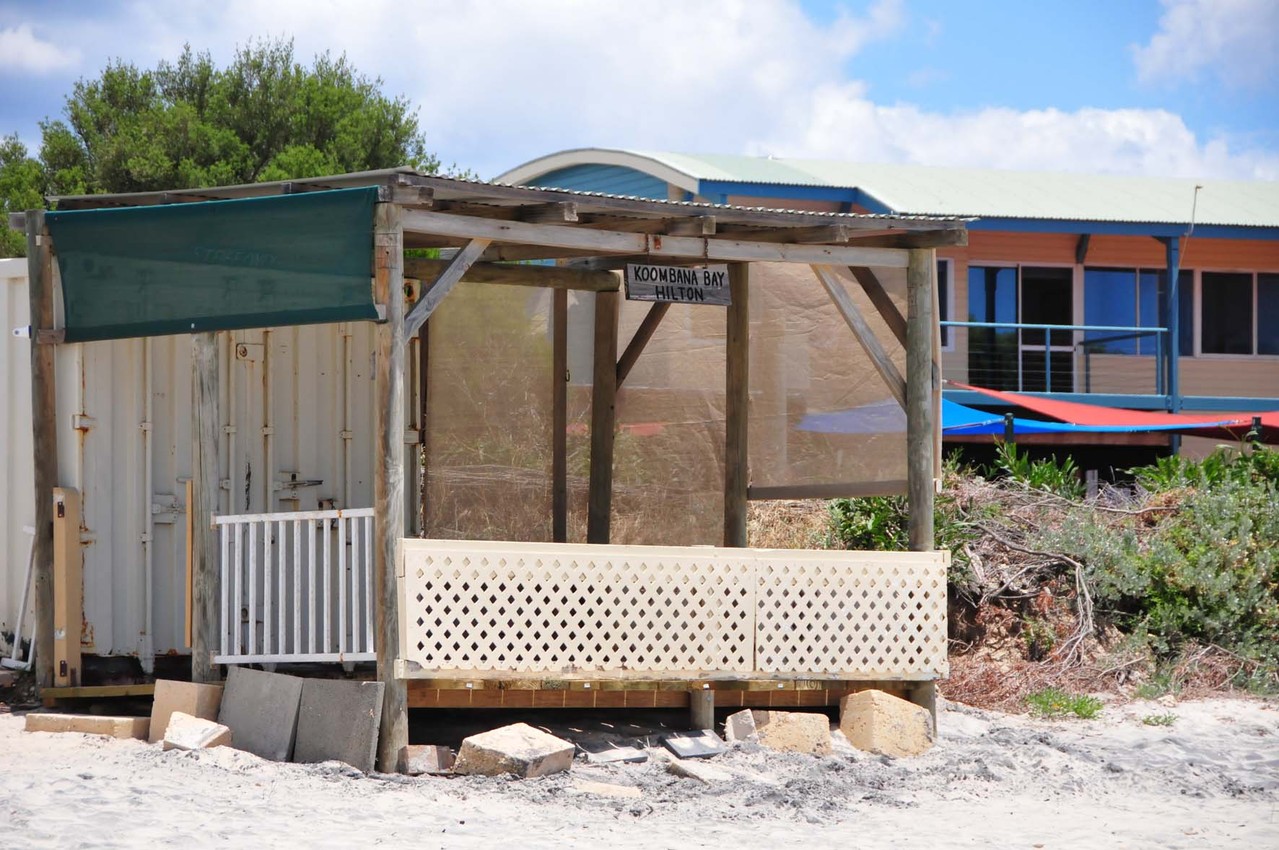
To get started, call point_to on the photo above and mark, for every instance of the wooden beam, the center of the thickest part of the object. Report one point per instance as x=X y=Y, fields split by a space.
x=697 y=225
x=948 y=238
x=441 y=286
x=44 y=417
x=388 y=477
x=553 y=213
x=614 y=242
x=643 y=334
x=921 y=382
x=845 y=490
x=861 y=330
x=206 y=624
x=424 y=421
x=736 y=405
x=559 y=416
x=837 y=234
x=603 y=418
x=1081 y=248
x=551 y=277
x=884 y=303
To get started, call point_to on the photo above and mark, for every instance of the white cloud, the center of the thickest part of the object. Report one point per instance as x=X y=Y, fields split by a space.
x=841 y=123
x=22 y=50
x=501 y=82
x=1234 y=40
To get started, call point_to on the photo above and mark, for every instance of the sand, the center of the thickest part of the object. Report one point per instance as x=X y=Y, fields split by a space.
x=1210 y=779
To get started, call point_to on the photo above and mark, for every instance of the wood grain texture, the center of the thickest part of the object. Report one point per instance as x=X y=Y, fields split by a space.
x=920 y=422
x=388 y=479
x=204 y=501
x=44 y=414
x=736 y=405
x=603 y=418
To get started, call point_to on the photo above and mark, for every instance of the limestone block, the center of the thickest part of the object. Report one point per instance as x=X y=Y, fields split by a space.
x=197 y=700
x=740 y=726
x=519 y=750
x=707 y=774
x=884 y=724
x=186 y=732
x=789 y=731
x=417 y=759
x=112 y=727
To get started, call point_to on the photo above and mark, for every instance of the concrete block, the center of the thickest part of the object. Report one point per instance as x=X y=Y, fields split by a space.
x=261 y=710
x=707 y=774
x=740 y=726
x=697 y=745
x=607 y=789
x=788 y=731
x=197 y=700
x=417 y=759
x=339 y=719
x=519 y=750
x=88 y=724
x=886 y=725
x=186 y=732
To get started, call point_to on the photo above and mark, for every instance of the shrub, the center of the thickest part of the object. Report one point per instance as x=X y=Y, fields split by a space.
x=1054 y=702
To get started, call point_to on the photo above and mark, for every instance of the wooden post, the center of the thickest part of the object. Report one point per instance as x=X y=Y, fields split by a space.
x=736 y=404
x=68 y=587
x=423 y=447
x=701 y=709
x=44 y=416
x=205 y=624
x=603 y=418
x=388 y=478
x=559 y=416
x=920 y=380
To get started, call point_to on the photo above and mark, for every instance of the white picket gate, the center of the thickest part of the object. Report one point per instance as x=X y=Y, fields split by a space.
x=296 y=587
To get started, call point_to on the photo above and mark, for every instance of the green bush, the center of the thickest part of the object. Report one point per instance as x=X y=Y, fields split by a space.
x=1055 y=476
x=1054 y=702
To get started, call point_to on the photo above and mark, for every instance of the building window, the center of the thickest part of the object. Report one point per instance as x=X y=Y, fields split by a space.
x=1022 y=359
x=1133 y=298
x=1230 y=303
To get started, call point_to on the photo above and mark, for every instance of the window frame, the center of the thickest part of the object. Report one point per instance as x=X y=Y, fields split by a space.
x=1254 y=275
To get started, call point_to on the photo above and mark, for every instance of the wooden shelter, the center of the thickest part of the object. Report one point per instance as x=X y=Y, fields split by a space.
x=485 y=233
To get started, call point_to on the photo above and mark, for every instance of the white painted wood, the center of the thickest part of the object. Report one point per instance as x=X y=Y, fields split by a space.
x=616 y=242
x=615 y=611
x=295 y=584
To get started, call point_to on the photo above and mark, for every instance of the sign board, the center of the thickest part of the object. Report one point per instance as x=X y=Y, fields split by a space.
x=678 y=284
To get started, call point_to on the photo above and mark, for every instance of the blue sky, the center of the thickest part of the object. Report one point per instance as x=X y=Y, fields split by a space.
x=1169 y=87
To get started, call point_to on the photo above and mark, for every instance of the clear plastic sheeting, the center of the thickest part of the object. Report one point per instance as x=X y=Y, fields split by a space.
x=488 y=445
x=819 y=411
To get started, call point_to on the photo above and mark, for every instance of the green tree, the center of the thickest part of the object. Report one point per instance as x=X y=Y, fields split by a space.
x=20 y=180
x=188 y=123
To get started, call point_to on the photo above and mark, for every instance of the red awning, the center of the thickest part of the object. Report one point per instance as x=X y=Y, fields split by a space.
x=1234 y=425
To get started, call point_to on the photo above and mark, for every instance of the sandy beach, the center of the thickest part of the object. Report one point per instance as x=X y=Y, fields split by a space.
x=1209 y=779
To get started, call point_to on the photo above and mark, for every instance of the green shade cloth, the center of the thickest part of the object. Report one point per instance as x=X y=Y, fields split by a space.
x=216 y=265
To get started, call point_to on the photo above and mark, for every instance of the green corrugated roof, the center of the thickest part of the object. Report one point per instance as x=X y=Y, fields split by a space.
x=989 y=193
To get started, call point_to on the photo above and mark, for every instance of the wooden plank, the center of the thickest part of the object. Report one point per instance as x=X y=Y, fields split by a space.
x=556 y=212
x=603 y=418
x=643 y=334
x=883 y=302
x=424 y=421
x=844 y=490
x=205 y=622
x=68 y=587
x=736 y=405
x=552 y=277
x=441 y=286
x=830 y=234
x=920 y=424
x=559 y=416
x=44 y=413
x=614 y=242
x=388 y=476
x=861 y=330
x=190 y=541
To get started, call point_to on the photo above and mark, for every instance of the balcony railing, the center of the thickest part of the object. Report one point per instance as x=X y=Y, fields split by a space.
x=1047 y=358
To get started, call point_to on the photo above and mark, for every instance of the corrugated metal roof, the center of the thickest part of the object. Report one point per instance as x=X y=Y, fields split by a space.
x=985 y=193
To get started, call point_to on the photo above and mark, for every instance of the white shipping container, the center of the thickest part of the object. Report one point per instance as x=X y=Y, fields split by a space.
x=297 y=417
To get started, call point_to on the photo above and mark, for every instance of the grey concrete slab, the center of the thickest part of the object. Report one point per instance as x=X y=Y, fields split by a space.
x=261 y=710
x=695 y=745
x=339 y=720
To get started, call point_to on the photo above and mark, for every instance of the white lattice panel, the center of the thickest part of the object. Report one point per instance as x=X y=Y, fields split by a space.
x=878 y=614
x=526 y=608
x=478 y=607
